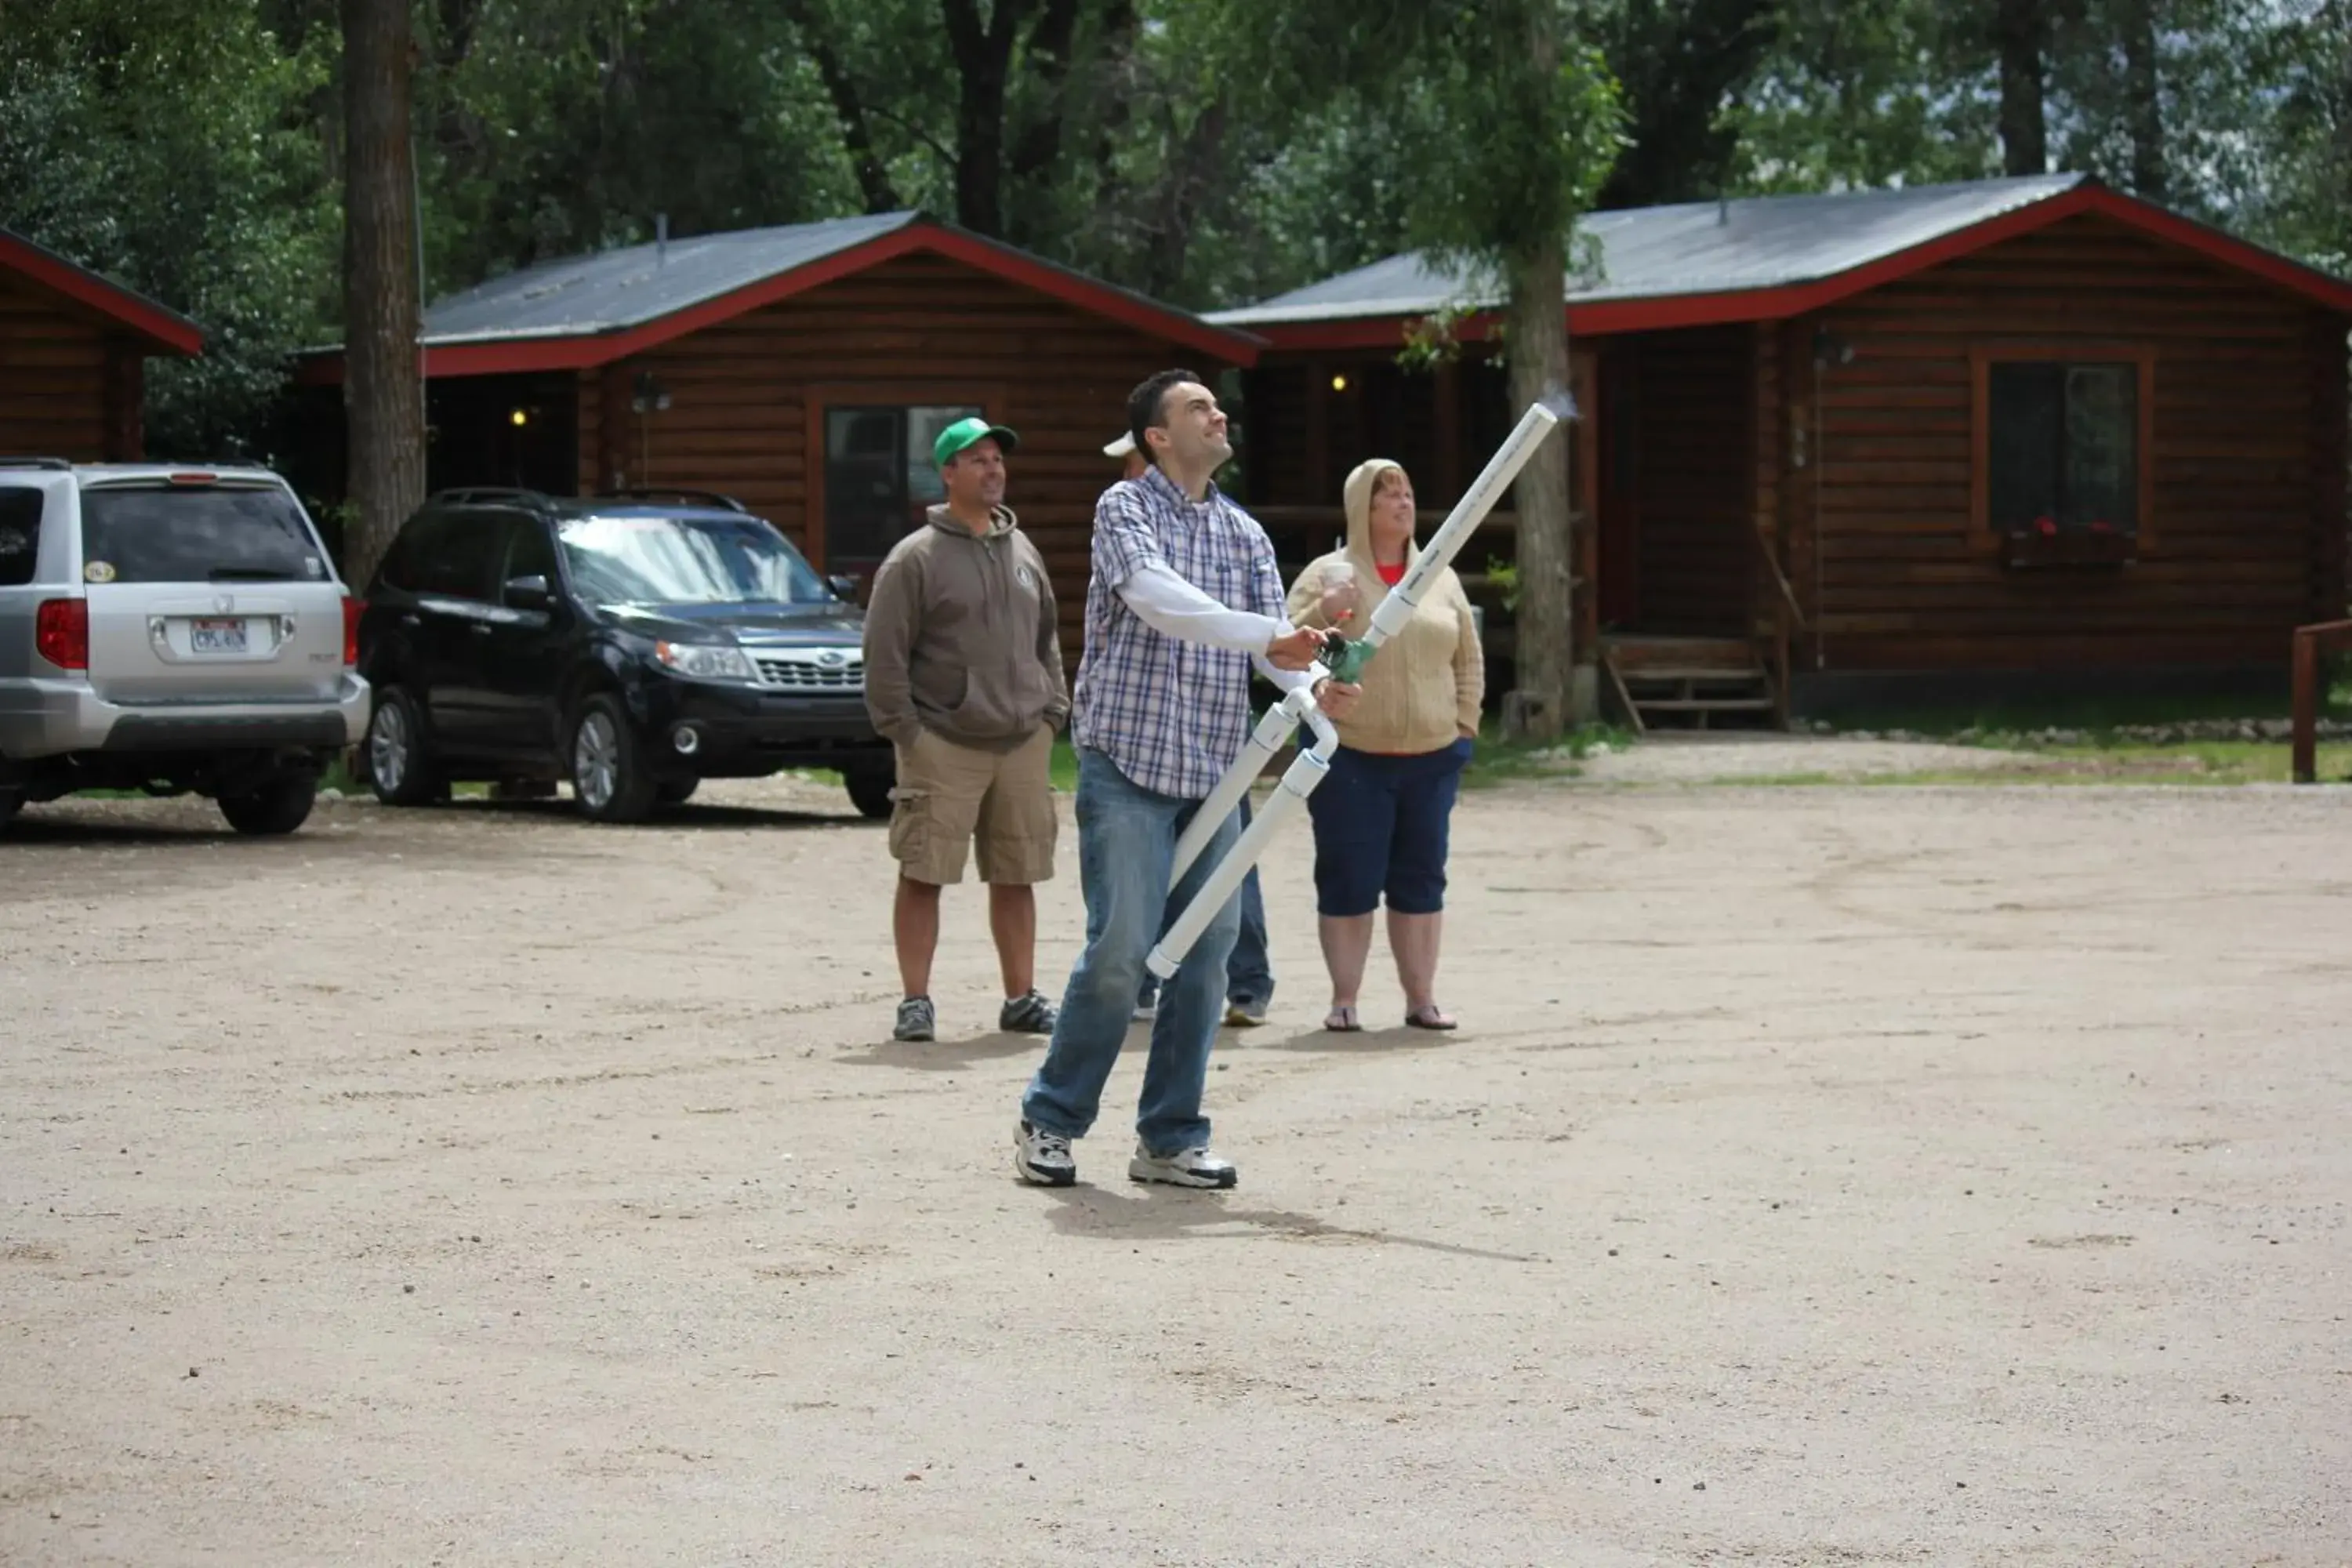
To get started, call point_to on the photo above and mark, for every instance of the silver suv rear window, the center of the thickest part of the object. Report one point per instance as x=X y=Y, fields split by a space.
x=20 y=534
x=213 y=534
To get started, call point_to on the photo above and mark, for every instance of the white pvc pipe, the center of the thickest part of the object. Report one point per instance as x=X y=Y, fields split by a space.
x=1300 y=779
x=1299 y=782
x=1272 y=732
x=1480 y=498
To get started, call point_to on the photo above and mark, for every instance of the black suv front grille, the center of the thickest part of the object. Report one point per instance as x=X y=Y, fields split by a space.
x=804 y=673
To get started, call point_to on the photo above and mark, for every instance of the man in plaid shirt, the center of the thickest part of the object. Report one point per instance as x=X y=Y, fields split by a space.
x=1184 y=599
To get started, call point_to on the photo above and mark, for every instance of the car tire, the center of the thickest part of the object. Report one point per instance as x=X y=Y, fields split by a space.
x=869 y=791
x=399 y=756
x=609 y=777
x=278 y=807
x=677 y=792
x=11 y=803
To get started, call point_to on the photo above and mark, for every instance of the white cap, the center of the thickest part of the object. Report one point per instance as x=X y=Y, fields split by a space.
x=1120 y=447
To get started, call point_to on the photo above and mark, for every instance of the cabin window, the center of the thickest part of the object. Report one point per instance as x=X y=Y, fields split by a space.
x=2064 y=455
x=878 y=477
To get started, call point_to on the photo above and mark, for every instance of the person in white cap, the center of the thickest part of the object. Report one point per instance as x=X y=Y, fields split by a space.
x=1125 y=448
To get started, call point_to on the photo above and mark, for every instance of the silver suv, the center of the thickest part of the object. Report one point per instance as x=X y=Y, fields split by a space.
x=170 y=629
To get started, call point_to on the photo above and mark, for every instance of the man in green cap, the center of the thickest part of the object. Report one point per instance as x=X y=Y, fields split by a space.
x=963 y=674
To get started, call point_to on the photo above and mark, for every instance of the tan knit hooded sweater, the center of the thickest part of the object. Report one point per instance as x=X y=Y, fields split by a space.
x=1424 y=688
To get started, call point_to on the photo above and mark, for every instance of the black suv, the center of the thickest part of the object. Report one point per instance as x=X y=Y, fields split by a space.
x=632 y=645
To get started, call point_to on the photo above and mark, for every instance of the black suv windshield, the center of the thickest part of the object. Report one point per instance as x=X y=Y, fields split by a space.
x=687 y=561
x=196 y=534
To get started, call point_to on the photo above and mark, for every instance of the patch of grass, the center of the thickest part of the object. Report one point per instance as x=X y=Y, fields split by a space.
x=2002 y=721
x=2203 y=763
x=1499 y=760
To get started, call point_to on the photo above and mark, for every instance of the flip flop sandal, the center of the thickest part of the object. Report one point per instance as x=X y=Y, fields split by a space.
x=1341 y=1021
x=1431 y=1016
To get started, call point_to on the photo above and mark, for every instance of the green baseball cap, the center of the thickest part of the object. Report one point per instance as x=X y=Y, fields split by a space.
x=963 y=433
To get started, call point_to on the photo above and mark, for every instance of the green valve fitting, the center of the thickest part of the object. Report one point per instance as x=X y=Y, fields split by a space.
x=1345 y=658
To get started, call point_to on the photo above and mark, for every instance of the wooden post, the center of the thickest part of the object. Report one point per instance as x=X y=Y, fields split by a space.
x=1447 y=388
x=2310 y=642
x=1318 y=432
x=2307 y=707
x=612 y=428
x=1584 y=502
x=2328 y=520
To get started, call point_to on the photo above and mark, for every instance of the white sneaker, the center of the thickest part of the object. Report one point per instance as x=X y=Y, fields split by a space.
x=1042 y=1159
x=1189 y=1168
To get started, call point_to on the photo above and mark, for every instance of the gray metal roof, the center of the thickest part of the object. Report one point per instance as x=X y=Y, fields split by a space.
x=1698 y=248
x=616 y=289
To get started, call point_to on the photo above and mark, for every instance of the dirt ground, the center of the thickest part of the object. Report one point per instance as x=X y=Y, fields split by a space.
x=1821 y=1176
x=1738 y=757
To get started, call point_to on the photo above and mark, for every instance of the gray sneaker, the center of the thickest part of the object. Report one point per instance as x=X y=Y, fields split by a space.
x=916 y=1020
x=1026 y=1015
x=1244 y=1014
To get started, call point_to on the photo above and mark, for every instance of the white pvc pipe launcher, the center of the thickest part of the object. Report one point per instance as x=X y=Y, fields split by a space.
x=1298 y=706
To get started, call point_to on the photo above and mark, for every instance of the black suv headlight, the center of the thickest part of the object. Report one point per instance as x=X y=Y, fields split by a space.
x=707 y=661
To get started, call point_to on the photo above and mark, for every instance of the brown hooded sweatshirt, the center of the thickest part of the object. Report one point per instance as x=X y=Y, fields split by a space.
x=1424 y=687
x=961 y=638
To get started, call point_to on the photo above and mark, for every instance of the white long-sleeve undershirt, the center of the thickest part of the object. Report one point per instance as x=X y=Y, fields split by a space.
x=1174 y=608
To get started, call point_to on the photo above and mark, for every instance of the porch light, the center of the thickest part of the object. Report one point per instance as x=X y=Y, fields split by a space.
x=1338 y=383
x=519 y=418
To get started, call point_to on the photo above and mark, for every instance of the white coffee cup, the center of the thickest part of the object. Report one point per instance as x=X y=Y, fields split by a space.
x=1340 y=598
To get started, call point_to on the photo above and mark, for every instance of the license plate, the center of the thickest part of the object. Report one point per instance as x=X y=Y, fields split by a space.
x=216 y=636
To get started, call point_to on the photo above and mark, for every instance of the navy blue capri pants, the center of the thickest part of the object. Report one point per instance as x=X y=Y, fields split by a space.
x=1380 y=828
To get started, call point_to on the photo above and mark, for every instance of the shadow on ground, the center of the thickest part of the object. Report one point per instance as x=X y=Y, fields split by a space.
x=1175 y=1213
x=943 y=1056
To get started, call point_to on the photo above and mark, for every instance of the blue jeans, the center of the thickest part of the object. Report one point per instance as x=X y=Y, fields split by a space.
x=1127 y=842
x=1249 y=974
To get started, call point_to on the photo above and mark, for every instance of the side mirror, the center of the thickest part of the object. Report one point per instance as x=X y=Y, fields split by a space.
x=531 y=593
x=843 y=588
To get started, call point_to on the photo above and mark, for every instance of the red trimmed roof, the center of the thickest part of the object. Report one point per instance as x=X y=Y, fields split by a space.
x=1656 y=311
x=165 y=330
x=806 y=261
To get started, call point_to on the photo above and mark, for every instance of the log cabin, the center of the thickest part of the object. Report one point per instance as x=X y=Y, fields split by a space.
x=2024 y=428
x=803 y=371
x=74 y=348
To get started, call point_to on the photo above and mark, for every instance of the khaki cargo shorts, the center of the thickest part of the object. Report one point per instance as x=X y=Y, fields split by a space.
x=1000 y=802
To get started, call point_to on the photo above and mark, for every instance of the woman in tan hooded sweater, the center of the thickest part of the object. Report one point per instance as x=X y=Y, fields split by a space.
x=1381 y=816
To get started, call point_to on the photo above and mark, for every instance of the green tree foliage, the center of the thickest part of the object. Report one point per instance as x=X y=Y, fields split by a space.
x=172 y=148
x=1208 y=152
x=554 y=127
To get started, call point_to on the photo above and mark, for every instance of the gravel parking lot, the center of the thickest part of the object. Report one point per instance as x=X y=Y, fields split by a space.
x=1821 y=1176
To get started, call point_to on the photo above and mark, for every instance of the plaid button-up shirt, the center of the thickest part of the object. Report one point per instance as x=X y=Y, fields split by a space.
x=1171 y=715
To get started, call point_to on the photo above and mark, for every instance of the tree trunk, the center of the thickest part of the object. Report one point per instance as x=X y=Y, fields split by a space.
x=1535 y=339
x=872 y=170
x=2144 y=107
x=2020 y=34
x=383 y=393
x=983 y=55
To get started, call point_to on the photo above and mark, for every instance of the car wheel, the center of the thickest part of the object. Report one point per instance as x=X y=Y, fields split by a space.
x=10 y=804
x=609 y=778
x=278 y=807
x=869 y=791
x=677 y=792
x=399 y=759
